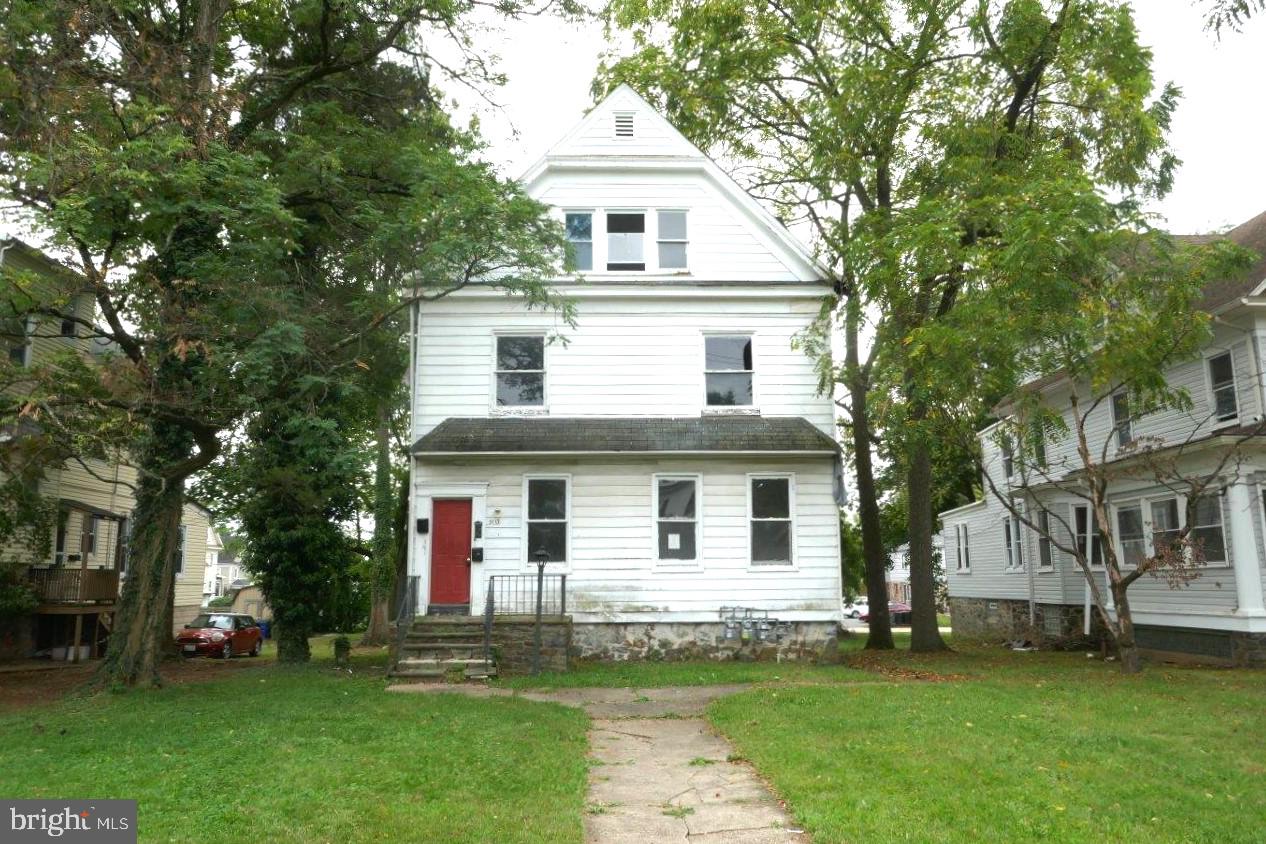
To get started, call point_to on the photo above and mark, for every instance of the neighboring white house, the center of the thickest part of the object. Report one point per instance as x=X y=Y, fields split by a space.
x=898 y=576
x=670 y=454
x=212 y=587
x=1004 y=580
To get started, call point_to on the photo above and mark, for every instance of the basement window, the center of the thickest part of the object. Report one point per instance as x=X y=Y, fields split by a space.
x=626 y=233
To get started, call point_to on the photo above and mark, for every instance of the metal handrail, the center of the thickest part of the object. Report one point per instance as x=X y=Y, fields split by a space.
x=490 y=608
x=515 y=594
x=408 y=609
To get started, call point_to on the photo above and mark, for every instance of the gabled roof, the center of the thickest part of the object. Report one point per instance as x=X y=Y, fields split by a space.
x=588 y=145
x=1251 y=235
x=633 y=435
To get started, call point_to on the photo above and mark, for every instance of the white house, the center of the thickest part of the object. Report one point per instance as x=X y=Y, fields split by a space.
x=212 y=586
x=669 y=454
x=1005 y=581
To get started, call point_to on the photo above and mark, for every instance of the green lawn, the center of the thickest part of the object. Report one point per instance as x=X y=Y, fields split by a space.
x=309 y=754
x=1017 y=747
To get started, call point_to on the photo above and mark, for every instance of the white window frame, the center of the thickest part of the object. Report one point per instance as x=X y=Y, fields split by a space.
x=674 y=564
x=703 y=360
x=1235 y=389
x=792 y=564
x=28 y=333
x=1013 y=543
x=519 y=409
x=1216 y=494
x=528 y=562
x=962 y=549
x=659 y=238
x=1117 y=423
x=1092 y=533
x=1043 y=536
x=182 y=537
x=1006 y=450
x=593 y=235
x=1144 y=507
x=606 y=240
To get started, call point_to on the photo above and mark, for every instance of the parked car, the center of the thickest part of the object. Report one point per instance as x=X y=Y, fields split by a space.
x=857 y=608
x=898 y=613
x=221 y=634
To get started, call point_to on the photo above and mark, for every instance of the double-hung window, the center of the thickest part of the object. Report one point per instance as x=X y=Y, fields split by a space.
x=1121 y=422
x=1012 y=538
x=963 y=563
x=1222 y=383
x=1086 y=526
x=178 y=553
x=626 y=235
x=580 y=235
x=91 y=526
x=1165 y=524
x=547 y=509
x=1045 y=560
x=728 y=371
x=1206 y=529
x=1131 y=534
x=520 y=370
x=671 y=240
x=15 y=333
x=770 y=506
x=677 y=517
x=1008 y=456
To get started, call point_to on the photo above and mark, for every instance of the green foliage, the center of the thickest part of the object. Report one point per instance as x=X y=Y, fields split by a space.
x=852 y=559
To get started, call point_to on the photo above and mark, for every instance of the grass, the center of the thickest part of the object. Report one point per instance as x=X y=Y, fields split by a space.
x=1015 y=747
x=649 y=675
x=309 y=754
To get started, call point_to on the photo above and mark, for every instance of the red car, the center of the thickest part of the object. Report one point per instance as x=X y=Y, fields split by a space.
x=898 y=613
x=221 y=634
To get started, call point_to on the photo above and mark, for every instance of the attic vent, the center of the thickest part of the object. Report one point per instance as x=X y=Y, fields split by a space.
x=624 y=124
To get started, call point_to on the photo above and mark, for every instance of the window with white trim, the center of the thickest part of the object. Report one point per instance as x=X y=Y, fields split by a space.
x=520 y=370
x=579 y=226
x=178 y=553
x=91 y=526
x=1121 y=422
x=1008 y=456
x=1206 y=529
x=59 y=543
x=670 y=238
x=547 y=509
x=677 y=517
x=1045 y=558
x=1222 y=383
x=729 y=370
x=1131 y=534
x=1166 y=525
x=769 y=513
x=626 y=233
x=1086 y=529
x=963 y=562
x=1012 y=543
x=16 y=334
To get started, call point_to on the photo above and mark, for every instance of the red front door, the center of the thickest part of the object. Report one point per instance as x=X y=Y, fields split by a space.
x=450 y=552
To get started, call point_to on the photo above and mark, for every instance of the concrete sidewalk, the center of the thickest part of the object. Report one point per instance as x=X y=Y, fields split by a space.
x=659 y=772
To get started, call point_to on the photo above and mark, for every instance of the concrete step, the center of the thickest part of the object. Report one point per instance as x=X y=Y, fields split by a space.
x=450 y=662
x=417 y=673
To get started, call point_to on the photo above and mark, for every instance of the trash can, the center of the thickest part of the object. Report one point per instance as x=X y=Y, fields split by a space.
x=265 y=627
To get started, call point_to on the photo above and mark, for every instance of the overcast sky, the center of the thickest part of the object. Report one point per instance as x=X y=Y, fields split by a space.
x=1219 y=131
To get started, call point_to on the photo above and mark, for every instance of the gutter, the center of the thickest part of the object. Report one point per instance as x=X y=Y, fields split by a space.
x=626 y=453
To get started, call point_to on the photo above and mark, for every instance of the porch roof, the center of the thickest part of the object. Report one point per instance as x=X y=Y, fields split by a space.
x=635 y=434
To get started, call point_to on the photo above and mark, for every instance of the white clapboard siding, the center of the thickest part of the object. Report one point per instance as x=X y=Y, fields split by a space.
x=637 y=356
x=612 y=573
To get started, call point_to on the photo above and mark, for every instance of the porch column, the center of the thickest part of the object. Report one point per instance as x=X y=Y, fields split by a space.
x=1242 y=503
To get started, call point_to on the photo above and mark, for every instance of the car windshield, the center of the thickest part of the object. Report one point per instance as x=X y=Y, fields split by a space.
x=219 y=622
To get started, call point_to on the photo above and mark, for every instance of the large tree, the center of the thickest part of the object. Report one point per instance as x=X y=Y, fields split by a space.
x=931 y=147
x=182 y=151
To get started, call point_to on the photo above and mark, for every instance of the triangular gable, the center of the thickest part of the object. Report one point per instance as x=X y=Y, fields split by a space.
x=656 y=141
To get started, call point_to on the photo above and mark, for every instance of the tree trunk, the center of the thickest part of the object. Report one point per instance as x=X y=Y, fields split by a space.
x=1127 y=647
x=382 y=566
x=142 y=631
x=880 y=637
x=292 y=642
x=925 y=634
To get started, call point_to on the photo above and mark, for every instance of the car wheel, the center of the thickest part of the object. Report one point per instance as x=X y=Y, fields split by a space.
x=259 y=647
x=856 y=614
x=227 y=653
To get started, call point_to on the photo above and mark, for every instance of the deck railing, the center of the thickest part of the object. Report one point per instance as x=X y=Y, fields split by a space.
x=75 y=586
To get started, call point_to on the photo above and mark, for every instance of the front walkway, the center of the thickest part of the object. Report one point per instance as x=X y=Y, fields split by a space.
x=659 y=773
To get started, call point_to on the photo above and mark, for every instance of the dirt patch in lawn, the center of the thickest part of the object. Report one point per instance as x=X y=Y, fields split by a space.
x=45 y=683
x=895 y=665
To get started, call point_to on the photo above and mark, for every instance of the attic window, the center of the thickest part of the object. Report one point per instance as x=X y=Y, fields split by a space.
x=624 y=124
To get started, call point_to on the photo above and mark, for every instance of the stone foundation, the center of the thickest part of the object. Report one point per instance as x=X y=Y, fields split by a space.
x=513 y=645
x=1001 y=620
x=675 y=641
